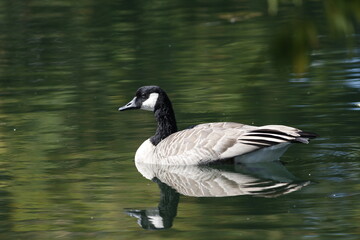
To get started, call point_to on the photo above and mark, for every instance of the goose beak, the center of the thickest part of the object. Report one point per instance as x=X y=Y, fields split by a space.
x=130 y=105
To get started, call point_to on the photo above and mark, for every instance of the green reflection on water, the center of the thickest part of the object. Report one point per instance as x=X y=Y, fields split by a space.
x=66 y=154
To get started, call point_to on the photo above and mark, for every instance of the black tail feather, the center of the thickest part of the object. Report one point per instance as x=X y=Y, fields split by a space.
x=309 y=135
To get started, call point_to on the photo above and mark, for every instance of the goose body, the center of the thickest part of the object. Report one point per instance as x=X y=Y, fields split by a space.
x=208 y=142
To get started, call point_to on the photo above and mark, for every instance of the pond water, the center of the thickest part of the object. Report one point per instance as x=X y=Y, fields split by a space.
x=67 y=155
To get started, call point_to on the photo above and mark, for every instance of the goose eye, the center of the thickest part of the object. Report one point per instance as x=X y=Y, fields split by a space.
x=143 y=95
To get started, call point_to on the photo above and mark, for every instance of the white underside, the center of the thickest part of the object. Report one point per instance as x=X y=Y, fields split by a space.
x=146 y=153
x=268 y=154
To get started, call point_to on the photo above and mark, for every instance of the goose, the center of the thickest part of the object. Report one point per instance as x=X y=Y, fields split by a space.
x=207 y=143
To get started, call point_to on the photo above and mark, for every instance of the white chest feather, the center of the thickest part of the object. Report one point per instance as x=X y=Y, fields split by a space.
x=145 y=152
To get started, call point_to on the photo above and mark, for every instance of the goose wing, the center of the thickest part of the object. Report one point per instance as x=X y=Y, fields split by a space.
x=204 y=143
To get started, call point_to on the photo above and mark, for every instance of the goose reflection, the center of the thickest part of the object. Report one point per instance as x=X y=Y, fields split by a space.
x=266 y=179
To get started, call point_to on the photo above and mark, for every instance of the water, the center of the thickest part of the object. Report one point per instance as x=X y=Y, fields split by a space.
x=66 y=153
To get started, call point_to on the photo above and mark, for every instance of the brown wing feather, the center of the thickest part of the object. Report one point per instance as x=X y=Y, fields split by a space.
x=214 y=141
x=204 y=142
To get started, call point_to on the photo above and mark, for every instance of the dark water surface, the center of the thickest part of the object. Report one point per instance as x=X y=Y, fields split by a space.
x=66 y=153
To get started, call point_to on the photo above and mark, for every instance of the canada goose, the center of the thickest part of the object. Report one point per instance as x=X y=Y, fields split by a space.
x=208 y=142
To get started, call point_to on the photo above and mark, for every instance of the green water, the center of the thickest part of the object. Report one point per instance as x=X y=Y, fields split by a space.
x=66 y=153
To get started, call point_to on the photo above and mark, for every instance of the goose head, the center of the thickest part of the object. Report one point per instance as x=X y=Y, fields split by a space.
x=153 y=98
x=147 y=98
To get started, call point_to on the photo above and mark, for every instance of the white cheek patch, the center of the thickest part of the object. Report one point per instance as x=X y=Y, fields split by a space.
x=157 y=221
x=149 y=104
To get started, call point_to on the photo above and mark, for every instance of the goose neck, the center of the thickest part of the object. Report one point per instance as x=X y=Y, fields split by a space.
x=166 y=122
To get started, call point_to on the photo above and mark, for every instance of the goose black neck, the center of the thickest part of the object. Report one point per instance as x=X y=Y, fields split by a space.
x=166 y=121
